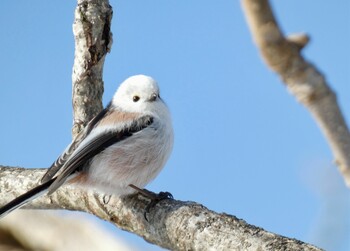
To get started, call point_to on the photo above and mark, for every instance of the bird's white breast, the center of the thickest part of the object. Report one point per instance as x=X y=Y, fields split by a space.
x=136 y=160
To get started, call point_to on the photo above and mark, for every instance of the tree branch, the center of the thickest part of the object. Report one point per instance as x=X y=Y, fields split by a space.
x=302 y=79
x=175 y=225
x=93 y=40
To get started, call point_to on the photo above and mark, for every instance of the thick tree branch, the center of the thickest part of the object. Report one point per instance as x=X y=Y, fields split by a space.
x=93 y=40
x=173 y=224
x=302 y=79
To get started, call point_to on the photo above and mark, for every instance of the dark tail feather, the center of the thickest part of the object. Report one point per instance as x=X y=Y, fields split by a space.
x=25 y=198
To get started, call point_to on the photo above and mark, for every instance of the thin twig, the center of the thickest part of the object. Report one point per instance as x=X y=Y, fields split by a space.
x=303 y=80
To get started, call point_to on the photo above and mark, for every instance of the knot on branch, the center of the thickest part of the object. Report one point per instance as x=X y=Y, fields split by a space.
x=300 y=40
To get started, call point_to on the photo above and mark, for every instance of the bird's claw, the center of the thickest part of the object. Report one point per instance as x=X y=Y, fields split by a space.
x=155 y=200
x=154 y=197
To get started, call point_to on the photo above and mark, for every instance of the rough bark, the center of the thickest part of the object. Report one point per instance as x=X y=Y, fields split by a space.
x=172 y=224
x=283 y=55
x=93 y=40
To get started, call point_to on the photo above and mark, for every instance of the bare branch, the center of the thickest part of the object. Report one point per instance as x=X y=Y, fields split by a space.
x=173 y=224
x=26 y=229
x=93 y=40
x=302 y=79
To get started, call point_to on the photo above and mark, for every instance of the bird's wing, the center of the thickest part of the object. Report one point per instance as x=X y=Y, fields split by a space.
x=62 y=159
x=95 y=145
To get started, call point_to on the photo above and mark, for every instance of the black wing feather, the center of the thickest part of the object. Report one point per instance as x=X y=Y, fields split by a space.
x=61 y=160
x=97 y=145
x=25 y=198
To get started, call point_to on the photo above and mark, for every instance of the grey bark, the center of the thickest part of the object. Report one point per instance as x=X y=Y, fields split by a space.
x=93 y=40
x=283 y=55
x=172 y=224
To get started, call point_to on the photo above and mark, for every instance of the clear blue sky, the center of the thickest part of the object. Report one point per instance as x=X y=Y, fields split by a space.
x=244 y=146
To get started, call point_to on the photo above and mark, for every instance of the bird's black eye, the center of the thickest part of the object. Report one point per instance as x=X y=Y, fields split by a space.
x=135 y=98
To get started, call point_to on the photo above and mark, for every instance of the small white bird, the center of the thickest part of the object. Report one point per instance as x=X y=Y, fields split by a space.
x=124 y=147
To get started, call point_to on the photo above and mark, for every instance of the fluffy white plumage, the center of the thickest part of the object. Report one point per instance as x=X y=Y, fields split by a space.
x=139 y=158
x=128 y=143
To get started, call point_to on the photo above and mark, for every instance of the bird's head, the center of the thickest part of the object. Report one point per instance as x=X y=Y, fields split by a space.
x=138 y=94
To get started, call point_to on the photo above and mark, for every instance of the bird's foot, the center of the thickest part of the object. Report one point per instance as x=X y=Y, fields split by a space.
x=154 y=197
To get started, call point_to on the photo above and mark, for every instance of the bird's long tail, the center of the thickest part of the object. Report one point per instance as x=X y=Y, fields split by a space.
x=25 y=198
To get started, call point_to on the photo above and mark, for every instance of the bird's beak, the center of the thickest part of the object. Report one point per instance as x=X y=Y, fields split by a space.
x=153 y=97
